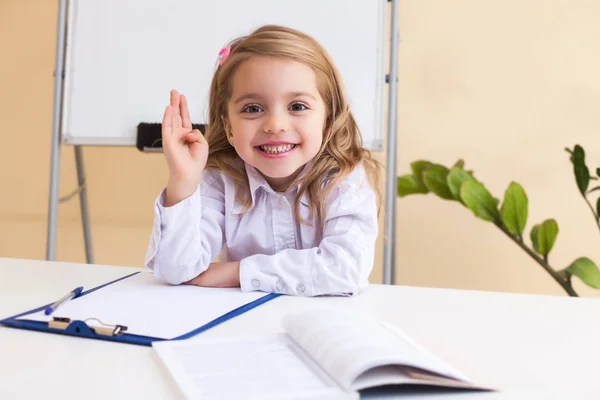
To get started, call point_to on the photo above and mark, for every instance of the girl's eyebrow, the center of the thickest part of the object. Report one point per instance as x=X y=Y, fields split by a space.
x=298 y=94
x=247 y=96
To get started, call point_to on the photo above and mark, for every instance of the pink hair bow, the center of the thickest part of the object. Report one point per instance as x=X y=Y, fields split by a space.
x=223 y=54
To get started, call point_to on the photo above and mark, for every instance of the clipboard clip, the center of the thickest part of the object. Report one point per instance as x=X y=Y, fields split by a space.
x=83 y=329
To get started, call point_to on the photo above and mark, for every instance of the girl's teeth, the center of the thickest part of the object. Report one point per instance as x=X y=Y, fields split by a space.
x=277 y=149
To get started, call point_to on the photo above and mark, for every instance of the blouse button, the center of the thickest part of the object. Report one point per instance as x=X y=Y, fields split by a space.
x=255 y=282
x=279 y=285
x=300 y=288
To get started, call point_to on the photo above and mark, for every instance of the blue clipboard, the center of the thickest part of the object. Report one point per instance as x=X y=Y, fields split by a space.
x=115 y=333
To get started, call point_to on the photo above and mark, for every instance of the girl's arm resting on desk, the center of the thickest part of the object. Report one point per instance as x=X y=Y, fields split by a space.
x=187 y=236
x=340 y=265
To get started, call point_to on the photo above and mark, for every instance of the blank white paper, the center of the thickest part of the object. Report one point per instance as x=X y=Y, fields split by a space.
x=150 y=307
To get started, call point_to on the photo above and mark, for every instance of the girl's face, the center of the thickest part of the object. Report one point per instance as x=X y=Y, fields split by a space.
x=276 y=117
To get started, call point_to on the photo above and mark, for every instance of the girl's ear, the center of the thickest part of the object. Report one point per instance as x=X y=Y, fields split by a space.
x=227 y=127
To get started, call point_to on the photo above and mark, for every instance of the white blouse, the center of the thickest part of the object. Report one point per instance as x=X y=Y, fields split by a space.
x=277 y=253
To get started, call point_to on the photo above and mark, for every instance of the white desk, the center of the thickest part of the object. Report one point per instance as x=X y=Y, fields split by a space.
x=530 y=346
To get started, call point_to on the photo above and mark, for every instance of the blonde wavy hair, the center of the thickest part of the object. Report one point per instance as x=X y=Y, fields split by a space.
x=341 y=150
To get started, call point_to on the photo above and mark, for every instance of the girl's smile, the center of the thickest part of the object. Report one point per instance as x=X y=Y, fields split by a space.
x=276 y=149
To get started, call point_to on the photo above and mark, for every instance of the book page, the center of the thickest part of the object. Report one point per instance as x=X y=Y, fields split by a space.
x=150 y=307
x=346 y=345
x=256 y=367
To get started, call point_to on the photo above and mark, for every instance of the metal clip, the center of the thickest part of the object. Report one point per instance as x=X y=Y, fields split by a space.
x=106 y=329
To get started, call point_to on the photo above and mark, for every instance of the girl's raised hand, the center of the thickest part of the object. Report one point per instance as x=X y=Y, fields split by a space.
x=186 y=150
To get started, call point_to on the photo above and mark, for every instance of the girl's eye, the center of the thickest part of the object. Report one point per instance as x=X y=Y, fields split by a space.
x=252 y=108
x=298 y=107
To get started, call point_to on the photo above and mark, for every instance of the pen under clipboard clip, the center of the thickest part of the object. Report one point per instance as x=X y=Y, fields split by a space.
x=105 y=329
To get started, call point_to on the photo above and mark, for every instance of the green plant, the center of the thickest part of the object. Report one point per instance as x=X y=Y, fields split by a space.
x=460 y=185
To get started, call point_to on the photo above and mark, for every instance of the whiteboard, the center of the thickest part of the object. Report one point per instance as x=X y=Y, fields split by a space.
x=122 y=58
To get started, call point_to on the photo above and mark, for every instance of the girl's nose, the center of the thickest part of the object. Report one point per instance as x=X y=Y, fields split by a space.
x=275 y=123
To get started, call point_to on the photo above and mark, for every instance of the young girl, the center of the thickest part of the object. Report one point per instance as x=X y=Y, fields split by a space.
x=280 y=187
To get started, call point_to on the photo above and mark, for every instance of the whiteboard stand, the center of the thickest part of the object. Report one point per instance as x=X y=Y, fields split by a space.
x=389 y=238
x=53 y=199
x=57 y=124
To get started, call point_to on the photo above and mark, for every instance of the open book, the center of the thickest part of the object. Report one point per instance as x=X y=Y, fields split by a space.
x=323 y=353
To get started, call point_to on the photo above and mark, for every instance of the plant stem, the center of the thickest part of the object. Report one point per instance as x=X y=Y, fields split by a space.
x=596 y=217
x=562 y=280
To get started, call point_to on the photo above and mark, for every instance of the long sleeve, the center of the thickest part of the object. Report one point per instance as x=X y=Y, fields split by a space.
x=339 y=265
x=187 y=236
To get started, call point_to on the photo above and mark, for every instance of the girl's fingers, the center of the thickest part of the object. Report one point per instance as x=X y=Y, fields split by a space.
x=175 y=102
x=166 y=122
x=186 y=122
x=201 y=137
x=194 y=136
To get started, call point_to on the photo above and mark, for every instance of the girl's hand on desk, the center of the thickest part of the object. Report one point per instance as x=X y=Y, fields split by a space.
x=219 y=274
x=186 y=150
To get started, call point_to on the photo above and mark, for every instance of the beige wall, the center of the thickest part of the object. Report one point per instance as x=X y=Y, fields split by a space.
x=506 y=86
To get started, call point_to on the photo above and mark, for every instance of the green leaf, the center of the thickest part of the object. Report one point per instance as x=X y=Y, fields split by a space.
x=586 y=270
x=515 y=209
x=417 y=168
x=407 y=184
x=534 y=237
x=456 y=177
x=598 y=207
x=550 y=232
x=544 y=236
x=578 y=154
x=582 y=176
x=475 y=196
x=598 y=172
x=434 y=177
x=582 y=173
x=460 y=164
